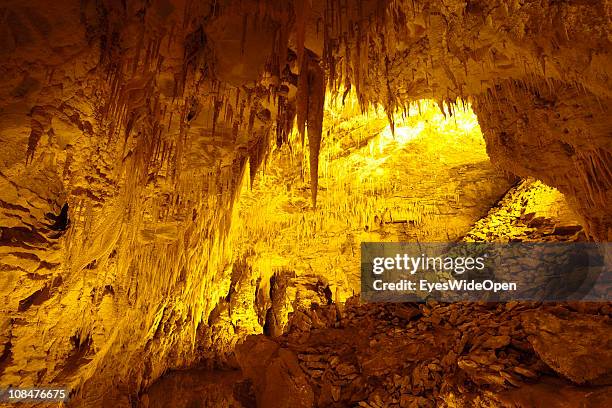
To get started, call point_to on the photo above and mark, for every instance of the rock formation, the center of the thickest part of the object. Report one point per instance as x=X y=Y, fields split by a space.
x=127 y=129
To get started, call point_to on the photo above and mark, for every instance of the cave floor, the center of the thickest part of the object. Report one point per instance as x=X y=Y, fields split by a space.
x=196 y=388
x=411 y=355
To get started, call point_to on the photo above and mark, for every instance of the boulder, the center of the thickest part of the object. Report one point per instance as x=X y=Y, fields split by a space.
x=579 y=347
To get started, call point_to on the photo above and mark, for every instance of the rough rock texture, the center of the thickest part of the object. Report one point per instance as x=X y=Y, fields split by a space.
x=569 y=146
x=407 y=355
x=430 y=181
x=199 y=388
x=114 y=109
x=142 y=117
x=576 y=346
x=417 y=355
x=538 y=72
x=275 y=373
x=529 y=212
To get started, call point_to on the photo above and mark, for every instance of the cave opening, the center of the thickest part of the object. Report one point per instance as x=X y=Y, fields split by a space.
x=192 y=192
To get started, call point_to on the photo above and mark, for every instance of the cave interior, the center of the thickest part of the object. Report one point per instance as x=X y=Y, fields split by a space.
x=185 y=186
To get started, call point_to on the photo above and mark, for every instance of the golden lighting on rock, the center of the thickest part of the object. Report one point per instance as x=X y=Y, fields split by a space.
x=429 y=180
x=450 y=121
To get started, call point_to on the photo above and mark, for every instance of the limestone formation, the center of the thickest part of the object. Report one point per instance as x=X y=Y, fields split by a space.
x=140 y=138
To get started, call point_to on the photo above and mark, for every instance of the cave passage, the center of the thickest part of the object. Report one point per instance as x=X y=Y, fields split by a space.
x=430 y=181
x=185 y=187
x=312 y=343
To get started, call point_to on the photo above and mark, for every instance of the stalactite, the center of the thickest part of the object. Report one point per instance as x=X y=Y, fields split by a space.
x=302 y=97
x=316 y=103
x=302 y=12
x=36 y=131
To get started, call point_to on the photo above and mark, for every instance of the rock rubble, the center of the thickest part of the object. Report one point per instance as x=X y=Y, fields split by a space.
x=429 y=355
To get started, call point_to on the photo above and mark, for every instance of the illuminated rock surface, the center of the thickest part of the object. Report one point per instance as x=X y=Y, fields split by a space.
x=150 y=118
x=429 y=182
x=460 y=354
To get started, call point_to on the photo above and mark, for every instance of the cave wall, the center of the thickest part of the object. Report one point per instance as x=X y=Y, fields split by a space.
x=112 y=108
x=142 y=116
x=560 y=134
